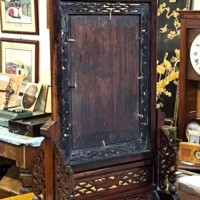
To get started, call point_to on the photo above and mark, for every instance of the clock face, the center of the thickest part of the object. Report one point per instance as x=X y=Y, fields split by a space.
x=197 y=154
x=195 y=54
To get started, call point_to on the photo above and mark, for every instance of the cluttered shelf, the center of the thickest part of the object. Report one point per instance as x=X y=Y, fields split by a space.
x=24 y=107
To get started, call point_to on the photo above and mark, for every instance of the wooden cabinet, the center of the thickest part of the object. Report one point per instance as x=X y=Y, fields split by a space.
x=189 y=79
x=102 y=142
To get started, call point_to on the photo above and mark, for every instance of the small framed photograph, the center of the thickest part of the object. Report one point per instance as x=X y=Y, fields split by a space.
x=41 y=102
x=48 y=101
x=19 y=16
x=20 y=57
x=30 y=96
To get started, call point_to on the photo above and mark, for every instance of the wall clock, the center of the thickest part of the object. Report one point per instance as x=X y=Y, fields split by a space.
x=192 y=53
x=189 y=77
x=195 y=54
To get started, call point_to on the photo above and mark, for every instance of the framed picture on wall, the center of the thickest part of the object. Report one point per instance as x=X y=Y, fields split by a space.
x=20 y=57
x=19 y=16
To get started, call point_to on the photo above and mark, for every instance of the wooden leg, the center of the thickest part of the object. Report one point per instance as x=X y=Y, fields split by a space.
x=26 y=180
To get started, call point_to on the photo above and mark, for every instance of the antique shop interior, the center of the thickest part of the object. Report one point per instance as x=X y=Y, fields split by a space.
x=100 y=100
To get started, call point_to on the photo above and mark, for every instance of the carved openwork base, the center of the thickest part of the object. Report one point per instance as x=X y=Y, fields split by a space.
x=166 y=167
x=133 y=181
x=39 y=175
x=118 y=183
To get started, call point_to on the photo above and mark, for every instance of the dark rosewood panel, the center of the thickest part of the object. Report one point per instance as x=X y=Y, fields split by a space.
x=102 y=142
x=105 y=70
x=106 y=84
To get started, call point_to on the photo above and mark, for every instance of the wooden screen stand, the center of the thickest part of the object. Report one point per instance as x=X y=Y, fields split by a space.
x=103 y=142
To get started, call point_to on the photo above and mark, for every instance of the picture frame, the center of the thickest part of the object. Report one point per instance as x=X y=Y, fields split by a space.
x=19 y=16
x=30 y=96
x=48 y=105
x=41 y=102
x=20 y=57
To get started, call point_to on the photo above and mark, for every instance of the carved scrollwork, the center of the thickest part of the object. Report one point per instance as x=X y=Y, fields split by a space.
x=102 y=7
x=104 y=152
x=118 y=181
x=167 y=164
x=38 y=174
x=63 y=177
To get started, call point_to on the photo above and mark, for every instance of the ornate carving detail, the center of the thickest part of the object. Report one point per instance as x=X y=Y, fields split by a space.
x=167 y=163
x=63 y=177
x=39 y=174
x=113 y=182
x=108 y=151
x=103 y=8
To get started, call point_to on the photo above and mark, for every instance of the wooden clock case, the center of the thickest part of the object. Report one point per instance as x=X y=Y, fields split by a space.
x=189 y=90
x=104 y=140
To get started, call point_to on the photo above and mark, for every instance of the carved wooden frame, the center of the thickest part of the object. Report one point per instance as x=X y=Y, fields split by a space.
x=115 y=150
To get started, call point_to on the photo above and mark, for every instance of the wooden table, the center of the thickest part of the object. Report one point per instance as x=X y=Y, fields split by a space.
x=23 y=155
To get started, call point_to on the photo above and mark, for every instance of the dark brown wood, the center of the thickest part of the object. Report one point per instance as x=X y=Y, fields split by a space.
x=106 y=82
x=101 y=142
x=188 y=78
x=167 y=163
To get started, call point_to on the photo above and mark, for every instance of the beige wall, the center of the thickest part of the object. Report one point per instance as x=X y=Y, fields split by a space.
x=196 y=5
x=43 y=38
